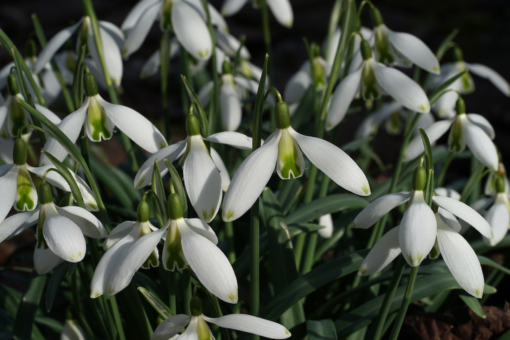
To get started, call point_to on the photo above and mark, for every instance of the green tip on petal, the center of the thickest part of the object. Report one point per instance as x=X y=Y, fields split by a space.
x=232 y=296
x=228 y=215
x=362 y=271
x=365 y=189
x=478 y=292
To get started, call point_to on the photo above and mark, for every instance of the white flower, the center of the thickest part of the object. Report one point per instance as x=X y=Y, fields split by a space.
x=356 y=54
x=490 y=184
x=284 y=150
x=401 y=49
x=72 y=331
x=204 y=173
x=327 y=223
x=197 y=328
x=373 y=79
x=111 y=37
x=100 y=118
x=471 y=129
x=184 y=17
x=281 y=10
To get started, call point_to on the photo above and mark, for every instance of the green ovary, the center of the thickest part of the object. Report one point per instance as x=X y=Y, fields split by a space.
x=24 y=188
x=382 y=46
x=455 y=144
x=173 y=247
x=17 y=117
x=98 y=122
x=369 y=83
x=287 y=153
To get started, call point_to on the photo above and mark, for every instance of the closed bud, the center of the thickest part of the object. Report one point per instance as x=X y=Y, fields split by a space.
x=12 y=85
x=195 y=306
x=366 y=50
x=45 y=195
x=192 y=125
x=90 y=84
x=175 y=207
x=419 y=178
x=20 y=152
x=282 y=115
x=142 y=213
x=376 y=17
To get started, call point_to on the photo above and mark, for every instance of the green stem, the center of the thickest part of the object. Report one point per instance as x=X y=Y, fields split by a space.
x=164 y=58
x=267 y=37
x=405 y=304
x=442 y=175
x=172 y=280
x=229 y=233
x=186 y=285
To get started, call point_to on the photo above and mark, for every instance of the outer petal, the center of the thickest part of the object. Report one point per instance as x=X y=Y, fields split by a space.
x=231 y=7
x=15 y=224
x=135 y=126
x=112 y=56
x=481 y=146
x=378 y=208
x=415 y=50
x=250 y=179
x=371 y=122
x=64 y=238
x=191 y=30
x=383 y=252
x=209 y=264
x=8 y=183
x=248 y=84
x=418 y=230
x=134 y=15
x=282 y=11
x=48 y=114
x=465 y=212
x=113 y=31
x=334 y=162
x=461 y=260
x=225 y=178
x=499 y=219
x=482 y=123
x=342 y=99
x=447 y=192
x=172 y=152
x=434 y=132
x=298 y=84
x=231 y=45
x=88 y=223
x=202 y=179
x=171 y=327
x=251 y=324
x=402 y=88
x=488 y=73
x=230 y=104
x=53 y=45
x=140 y=29
x=327 y=222
x=235 y=139
x=45 y=260
x=202 y=228
x=118 y=233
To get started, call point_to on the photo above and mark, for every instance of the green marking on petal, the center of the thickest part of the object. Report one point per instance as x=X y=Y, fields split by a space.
x=92 y=204
x=96 y=294
x=435 y=68
x=203 y=331
x=287 y=331
x=153 y=260
x=478 y=292
x=362 y=271
x=208 y=215
x=173 y=255
x=423 y=107
x=204 y=53
x=75 y=256
x=365 y=189
x=229 y=215
x=232 y=296
x=98 y=122
x=25 y=187
x=288 y=157
x=140 y=182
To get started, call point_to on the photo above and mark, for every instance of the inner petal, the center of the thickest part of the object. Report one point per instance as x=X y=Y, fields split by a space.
x=26 y=193
x=98 y=125
x=290 y=158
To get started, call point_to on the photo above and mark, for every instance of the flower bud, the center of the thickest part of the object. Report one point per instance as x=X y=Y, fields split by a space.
x=457 y=54
x=175 y=207
x=419 y=178
x=500 y=185
x=192 y=125
x=12 y=85
x=366 y=50
x=461 y=106
x=20 y=152
x=195 y=306
x=45 y=195
x=282 y=115
x=376 y=17
x=30 y=49
x=90 y=85
x=142 y=213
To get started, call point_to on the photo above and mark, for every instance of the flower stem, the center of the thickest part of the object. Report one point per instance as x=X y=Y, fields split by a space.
x=443 y=170
x=405 y=304
x=267 y=37
x=164 y=58
x=229 y=233
x=186 y=284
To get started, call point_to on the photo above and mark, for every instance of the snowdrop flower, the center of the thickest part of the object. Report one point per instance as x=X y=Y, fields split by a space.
x=284 y=150
x=197 y=328
x=330 y=54
x=327 y=222
x=373 y=79
x=100 y=118
x=111 y=37
x=490 y=184
x=203 y=170
x=72 y=329
x=281 y=10
x=392 y=115
x=186 y=18
x=416 y=235
x=471 y=129
x=401 y=49
x=445 y=105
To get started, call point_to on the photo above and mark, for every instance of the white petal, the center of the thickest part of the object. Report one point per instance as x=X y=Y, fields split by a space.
x=172 y=152
x=415 y=50
x=133 y=259
x=225 y=178
x=449 y=219
x=447 y=192
x=15 y=224
x=378 y=208
x=53 y=45
x=113 y=31
x=134 y=15
x=465 y=212
x=481 y=146
x=434 y=132
x=191 y=30
x=370 y=124
x=298 y=84
x=72 y=331
x=250 y=179
x=8 y=183
x=204 y=95
x=235 y=139
x=282 y=11
x=200 y=227
x=140 y=27
x=112 y=56
x=488 y=73
x=6 y=148
x=171 y=327
x=402 y=88
x=135 y=126
x=64 y=238
x=48 y=114
x=327 y=222
x=418 y=230
x=383 y=252
x=231 y=7
x=461 y=260
x=248 y=84
x=445 y=105
x=482 y=123
x=231 y=45
x=334 y=162
x=118 y=233
x=482 y=204
x=71 y=126
x=230 y=105
x=217 y=19
x=151 y=66
x=45 y=260
x=88 y=223
x=342 y=98
x=251 y=324
x=209 y=264
x=202 y=180
x=499 y=219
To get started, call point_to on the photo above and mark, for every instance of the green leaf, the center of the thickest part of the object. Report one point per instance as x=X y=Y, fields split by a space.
x=54 y=284
x=29 y=304
x=321 y=330
x=326 y=205
x=111 y=181
x=163 y=310
x=473 y=304
x=202 y=117
x=488 y=262
x=446 y=44
x=438 y=92
x=289 y=195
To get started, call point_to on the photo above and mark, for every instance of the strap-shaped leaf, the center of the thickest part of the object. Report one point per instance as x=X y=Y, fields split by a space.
x=473 y=304
x=321 y=330
x=54 y=284
x=163 y=310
